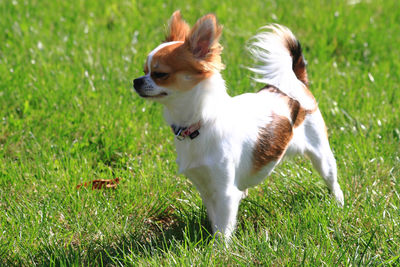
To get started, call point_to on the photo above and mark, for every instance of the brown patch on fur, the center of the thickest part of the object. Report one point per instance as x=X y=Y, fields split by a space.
x=203 y=42
x=178 y=29
x=297 y=112
x=190 y=62
x=272 y=142
x=184 y=72
x=298 y=63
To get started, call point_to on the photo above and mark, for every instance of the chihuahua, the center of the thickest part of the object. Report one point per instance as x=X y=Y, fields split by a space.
x=227 y=144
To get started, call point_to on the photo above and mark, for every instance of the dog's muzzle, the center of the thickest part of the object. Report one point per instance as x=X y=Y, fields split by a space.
x=146 y=88
x=138 y=83
x=140 y=86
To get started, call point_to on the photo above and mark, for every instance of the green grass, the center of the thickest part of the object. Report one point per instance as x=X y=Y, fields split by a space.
x=68 y=115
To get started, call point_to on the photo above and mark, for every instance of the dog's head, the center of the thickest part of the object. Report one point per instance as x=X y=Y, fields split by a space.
x=187 y=57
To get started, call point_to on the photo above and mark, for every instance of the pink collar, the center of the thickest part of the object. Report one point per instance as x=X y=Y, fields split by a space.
x=182 y=132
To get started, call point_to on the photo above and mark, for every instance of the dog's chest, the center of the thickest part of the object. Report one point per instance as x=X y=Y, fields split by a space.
x=201 y=151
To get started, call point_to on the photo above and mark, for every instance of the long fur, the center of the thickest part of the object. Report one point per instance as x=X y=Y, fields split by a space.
x=241 y=138
x=278 y=55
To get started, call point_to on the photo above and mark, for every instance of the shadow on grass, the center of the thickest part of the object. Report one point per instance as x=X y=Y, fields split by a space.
x=170 y=230
x=163 y=234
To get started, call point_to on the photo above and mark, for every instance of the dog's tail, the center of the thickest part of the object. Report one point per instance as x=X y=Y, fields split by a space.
x=281 y=63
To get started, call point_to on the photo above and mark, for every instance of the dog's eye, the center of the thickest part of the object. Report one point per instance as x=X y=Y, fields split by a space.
x=160 y=75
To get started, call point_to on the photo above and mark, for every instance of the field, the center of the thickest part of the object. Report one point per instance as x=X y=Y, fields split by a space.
x=68 y=115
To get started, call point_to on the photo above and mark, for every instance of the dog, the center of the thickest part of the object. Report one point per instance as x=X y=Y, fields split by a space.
x=227 y=144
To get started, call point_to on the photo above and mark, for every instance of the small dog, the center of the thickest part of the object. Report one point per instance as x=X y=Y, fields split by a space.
x=227 y=144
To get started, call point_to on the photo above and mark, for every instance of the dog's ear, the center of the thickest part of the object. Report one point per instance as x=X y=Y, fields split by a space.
x=178 y=29
x=204 y=36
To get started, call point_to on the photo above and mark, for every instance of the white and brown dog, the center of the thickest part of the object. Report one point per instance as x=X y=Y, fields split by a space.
x=227 y=144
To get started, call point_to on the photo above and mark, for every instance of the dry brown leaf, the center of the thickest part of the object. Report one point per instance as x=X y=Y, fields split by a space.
x=101 y=183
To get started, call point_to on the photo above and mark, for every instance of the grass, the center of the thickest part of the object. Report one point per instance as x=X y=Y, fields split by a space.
x=68 y=115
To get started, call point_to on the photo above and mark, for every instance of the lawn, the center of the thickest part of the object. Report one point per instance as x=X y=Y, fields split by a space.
x=68 y=115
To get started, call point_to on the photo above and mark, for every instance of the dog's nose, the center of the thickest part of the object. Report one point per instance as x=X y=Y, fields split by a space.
x=137 y=83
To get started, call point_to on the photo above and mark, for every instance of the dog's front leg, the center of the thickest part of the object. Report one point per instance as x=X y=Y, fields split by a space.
x=222 y=207
x=225 y=207
x=220 y=195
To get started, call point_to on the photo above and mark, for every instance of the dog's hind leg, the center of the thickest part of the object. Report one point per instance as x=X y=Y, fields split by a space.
x=318 y=150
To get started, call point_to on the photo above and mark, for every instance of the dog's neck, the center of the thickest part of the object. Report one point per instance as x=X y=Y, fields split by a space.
x=201 y=104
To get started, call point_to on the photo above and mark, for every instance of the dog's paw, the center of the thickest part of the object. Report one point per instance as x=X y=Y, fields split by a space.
x=338 y=194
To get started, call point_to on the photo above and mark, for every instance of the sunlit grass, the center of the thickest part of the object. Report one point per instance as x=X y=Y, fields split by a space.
x=68 y=115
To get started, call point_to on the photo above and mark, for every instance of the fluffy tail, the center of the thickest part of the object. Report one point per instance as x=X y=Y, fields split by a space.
x=281 y=63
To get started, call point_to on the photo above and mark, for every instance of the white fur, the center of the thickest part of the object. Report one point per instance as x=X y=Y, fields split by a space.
x=275 y=63
x=219 y=161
